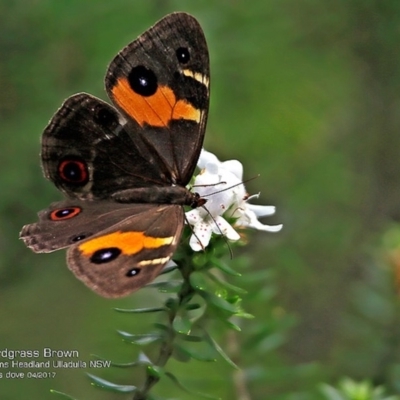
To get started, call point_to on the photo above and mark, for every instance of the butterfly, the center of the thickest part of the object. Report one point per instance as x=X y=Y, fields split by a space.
x=124 y=168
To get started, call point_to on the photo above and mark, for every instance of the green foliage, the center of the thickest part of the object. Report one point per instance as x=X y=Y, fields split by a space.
x=351 y=390
x=304 y=93
x=198 y=301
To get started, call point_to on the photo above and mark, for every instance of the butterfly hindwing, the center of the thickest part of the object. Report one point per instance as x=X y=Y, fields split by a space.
x=65 y=223
x=114 y=250
x=125 y=257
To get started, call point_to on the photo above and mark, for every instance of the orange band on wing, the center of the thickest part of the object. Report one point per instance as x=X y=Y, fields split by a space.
x=156 y=110
x=128 y=242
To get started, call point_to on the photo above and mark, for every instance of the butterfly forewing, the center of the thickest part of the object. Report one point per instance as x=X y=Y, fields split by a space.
x=161 y=82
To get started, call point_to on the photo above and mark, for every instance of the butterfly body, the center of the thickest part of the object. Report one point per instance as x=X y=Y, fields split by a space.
x=124 y=169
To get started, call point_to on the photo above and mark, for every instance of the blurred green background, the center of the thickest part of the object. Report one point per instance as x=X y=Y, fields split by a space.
x=305 y=93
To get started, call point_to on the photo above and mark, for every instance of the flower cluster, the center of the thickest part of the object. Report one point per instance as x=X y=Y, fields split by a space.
x=222 y=185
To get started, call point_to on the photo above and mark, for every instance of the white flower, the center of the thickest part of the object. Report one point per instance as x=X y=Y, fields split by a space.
x=221 y=184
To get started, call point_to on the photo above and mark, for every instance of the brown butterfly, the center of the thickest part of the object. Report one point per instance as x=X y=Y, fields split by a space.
x=124 y=169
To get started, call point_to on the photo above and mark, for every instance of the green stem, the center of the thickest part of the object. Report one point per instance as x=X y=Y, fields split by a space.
x=166 y=348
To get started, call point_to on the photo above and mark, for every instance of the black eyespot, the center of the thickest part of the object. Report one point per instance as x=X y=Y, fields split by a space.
x=105 y=255
x=105 y=117
x=79 y=237
x=183 y=55
x=61 y=214
x=73 y=170
x=133 y=272
x=64 y=213
x=143 y=81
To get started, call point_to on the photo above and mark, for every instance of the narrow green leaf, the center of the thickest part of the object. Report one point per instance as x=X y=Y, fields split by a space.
x=141 y=339
x=191 y=338
x=156 y=371
x=225 y=284
x=192 y=354
x=217 y=301
x=172 y=304
x=102 y=383
x=128 y=364
x=141 y=361
x=66 y=396
x=140 y=310
x=161 y=327
x=243 y=314
x=185 y=389
x=171 y=286
x=219 y=350
x=194 y=306
x=198 y=281
x=180 y=355
x=169 y=269
x=232 y=325
x=182 y=324
x=224 y=267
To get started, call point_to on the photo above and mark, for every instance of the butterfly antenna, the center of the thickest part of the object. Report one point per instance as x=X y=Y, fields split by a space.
x=210 y=184
x=230 y=187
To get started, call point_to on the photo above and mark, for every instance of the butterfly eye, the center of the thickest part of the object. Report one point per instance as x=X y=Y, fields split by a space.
x=73 y=171
x=64 y=213
x=105 y=255
x=143 y=81
x=132 y=272
x=183 y=55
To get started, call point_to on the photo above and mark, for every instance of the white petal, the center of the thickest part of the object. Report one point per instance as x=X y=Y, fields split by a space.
x=207 y=158
x=201 y=232
x=194 y=244
x=222 y=226
x=267 y=228
x=261 y=211
x=249 y=220
x=235 y=167
x=193 y=216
